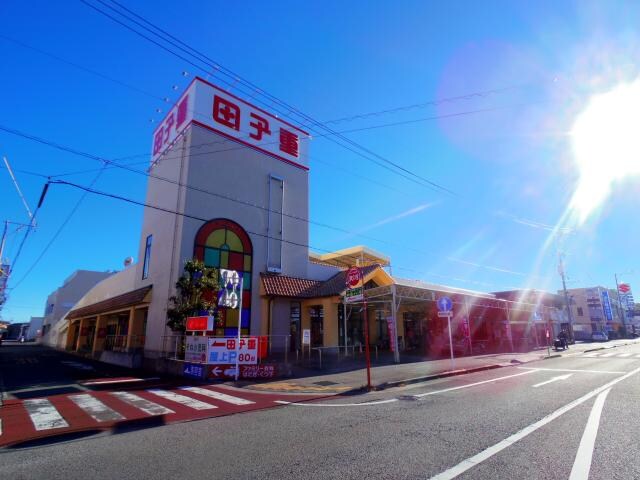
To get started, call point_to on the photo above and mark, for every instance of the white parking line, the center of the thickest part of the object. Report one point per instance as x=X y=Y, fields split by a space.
x=43 y=414
x=182 y=399
x=95 y=408
x=569 y=370
x=223 y=397
x=582 y=463
x=143 y=404
x=471 y=462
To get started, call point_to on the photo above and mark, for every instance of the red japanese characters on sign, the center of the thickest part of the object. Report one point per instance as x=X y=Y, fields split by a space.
x=215 y=109
x=353 y=277
x=171 y=126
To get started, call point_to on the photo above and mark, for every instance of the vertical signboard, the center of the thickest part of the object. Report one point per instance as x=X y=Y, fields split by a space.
x=606 y=306
x=354 y=292
x=196 y=349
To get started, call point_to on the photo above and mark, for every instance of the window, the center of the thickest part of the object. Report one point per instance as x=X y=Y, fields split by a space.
x=580 y=312
x=147 y=257
x=222 y=243
x=275 y=225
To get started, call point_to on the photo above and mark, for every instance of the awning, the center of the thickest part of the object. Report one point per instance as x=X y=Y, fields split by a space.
x=125 y=300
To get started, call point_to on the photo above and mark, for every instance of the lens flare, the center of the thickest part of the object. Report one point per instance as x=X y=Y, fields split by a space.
x=606 y=145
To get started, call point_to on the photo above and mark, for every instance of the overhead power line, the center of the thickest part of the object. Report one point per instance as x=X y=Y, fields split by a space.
x=236 y=200
x=202 y=58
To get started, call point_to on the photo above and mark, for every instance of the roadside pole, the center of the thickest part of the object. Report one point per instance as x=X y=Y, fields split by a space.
x=239 y=330
x=366 y=345
x=445 y=309
x=453 y=363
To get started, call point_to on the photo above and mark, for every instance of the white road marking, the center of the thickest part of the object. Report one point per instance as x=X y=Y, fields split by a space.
x=420 y=395
x=637 y=356
x=568 y=370
x=591 y=355
x=582 y=463
x=624 y=355
x=43 y=414
x=182 y=399
x=119 y=380
x=554 y=379
x=223 y=397
x=143 y=404
x=610 y=354
x=471 y=462
x=0 y=427
x=364 y=404
x=95 y=408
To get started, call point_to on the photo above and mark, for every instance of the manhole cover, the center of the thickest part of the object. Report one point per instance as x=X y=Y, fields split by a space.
x=325 y=383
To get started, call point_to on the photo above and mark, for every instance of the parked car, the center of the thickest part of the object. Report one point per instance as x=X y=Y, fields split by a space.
x=599 y=337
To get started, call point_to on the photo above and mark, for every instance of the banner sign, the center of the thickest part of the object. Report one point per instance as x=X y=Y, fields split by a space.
x=223 y=351
x=391 y=329
x=221 y=112
x=606 y=306
x=355 y=291
x=196 y=349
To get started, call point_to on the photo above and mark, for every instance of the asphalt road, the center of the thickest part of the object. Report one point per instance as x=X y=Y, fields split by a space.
x=572 y=417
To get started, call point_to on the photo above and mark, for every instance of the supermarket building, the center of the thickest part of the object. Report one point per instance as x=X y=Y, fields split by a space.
x=229 y=185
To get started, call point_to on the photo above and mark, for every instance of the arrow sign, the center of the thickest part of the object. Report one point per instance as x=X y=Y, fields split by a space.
x=554 y=379
x=216 y=371
x=445 y=304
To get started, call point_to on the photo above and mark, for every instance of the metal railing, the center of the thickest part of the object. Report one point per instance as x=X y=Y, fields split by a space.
x=123 y=343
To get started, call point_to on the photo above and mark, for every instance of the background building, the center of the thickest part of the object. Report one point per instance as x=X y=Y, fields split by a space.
x=34 y=332
x=595 y=309
x=61 y=300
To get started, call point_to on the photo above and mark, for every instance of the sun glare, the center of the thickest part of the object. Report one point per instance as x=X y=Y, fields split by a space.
x=606 y=145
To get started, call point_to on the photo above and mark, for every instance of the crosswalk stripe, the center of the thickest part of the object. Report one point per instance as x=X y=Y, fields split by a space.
x=591 y=355
x=143 y=404
x=95 y=408
x=0 y=427
x=182 y=399
x=624 y=355
x=43 y=414
x=223 y=397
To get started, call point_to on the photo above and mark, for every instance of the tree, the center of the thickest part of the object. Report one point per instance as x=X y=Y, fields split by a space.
x=194 y=294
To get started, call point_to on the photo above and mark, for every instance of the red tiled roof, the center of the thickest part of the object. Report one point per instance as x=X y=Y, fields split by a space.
x=128 y=299
x=293 y=287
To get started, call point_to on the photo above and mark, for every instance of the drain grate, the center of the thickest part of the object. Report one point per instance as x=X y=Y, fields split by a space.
x=325 y=383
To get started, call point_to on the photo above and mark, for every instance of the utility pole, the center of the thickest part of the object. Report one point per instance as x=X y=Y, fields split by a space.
x=564 y=289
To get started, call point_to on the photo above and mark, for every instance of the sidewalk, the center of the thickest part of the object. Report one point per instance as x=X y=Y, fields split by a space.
x=387 y=376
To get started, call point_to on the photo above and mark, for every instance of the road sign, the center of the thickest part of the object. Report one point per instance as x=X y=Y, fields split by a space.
x=193 y=370
x=445 y=314
x=445 y=304
x=221 y=371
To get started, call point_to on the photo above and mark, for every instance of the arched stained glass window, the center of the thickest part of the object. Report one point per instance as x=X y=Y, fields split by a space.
x=222 y=243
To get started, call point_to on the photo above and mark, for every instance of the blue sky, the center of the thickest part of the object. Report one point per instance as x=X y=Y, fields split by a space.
x=510 y=163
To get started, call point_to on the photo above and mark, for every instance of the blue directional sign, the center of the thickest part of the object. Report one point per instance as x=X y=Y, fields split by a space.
x=445 y=304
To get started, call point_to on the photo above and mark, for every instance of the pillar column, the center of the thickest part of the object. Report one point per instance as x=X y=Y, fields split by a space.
x=81 y=334
x=132 y=316
x=99 y=335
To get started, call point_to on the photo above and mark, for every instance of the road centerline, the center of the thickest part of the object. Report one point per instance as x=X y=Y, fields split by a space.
x=573 y=370
x=460 y=387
